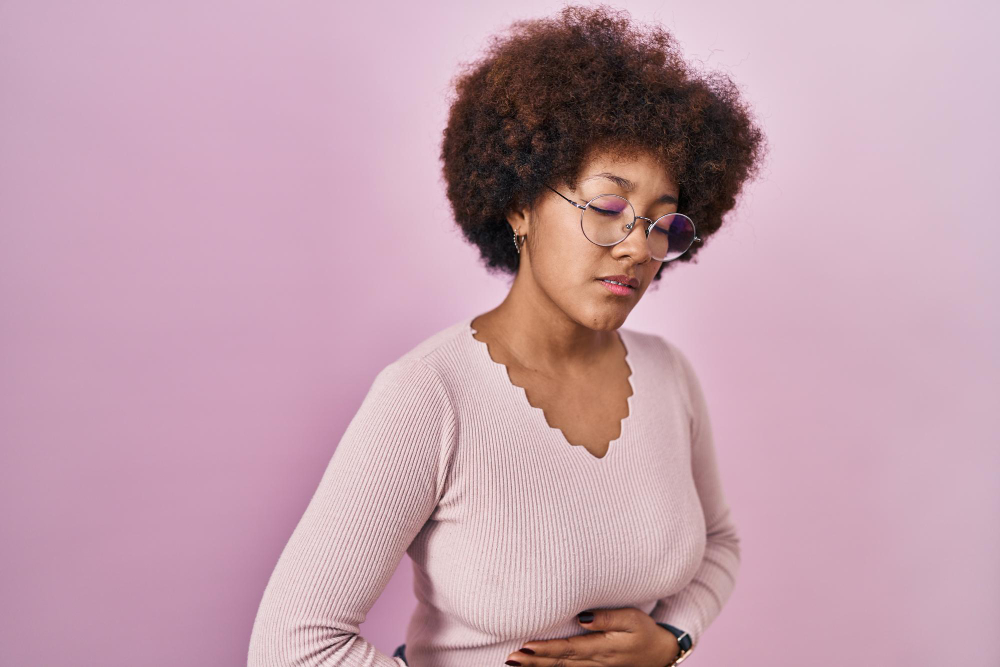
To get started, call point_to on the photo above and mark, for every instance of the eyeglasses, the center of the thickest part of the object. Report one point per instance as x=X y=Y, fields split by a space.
x=607 y=220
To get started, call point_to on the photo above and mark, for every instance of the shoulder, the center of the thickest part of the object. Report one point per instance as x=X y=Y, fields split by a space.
x=667 y=357
x=441 y=342
x=674 y=354
x=643 y=346
x=653 y=350
x=408 y=402
x=428 y=369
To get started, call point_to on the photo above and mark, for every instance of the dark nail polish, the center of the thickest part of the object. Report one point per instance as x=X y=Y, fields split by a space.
x=526 y=650
x=512 y=662
x=586 y=616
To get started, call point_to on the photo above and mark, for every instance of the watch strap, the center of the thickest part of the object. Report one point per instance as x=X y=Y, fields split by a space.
x=684 y=642
x=683 y=638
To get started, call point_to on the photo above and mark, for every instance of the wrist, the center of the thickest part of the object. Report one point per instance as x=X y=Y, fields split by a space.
x=670 y=649
x=682 y=642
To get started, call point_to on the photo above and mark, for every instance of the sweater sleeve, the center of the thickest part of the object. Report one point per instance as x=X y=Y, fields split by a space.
x=380 y=486
x=694 y=607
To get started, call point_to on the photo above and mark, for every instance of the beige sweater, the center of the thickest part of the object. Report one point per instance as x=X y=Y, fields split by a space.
x=511 y=530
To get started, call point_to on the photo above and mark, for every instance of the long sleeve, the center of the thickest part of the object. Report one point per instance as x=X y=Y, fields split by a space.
x=695 y=606
x=381 y=485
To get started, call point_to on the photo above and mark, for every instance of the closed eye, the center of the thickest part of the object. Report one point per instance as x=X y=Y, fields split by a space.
x=605 y=212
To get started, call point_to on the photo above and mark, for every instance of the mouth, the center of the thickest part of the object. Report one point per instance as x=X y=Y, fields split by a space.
x=618 y=287
x=622 y=279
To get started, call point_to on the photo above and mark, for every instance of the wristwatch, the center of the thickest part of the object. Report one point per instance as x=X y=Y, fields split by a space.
x=683 y=640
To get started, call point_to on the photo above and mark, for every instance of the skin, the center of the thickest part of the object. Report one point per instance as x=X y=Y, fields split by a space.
x=624 y=637
x=556 y=332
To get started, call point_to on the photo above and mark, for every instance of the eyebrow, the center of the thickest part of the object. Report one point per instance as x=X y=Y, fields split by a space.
x=629 y=186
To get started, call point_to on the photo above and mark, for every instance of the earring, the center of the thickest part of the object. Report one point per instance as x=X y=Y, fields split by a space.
x=518 y=244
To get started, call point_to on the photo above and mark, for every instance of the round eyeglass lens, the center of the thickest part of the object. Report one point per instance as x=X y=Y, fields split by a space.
x=671 y=236
x=606 y=219
x=605 y=222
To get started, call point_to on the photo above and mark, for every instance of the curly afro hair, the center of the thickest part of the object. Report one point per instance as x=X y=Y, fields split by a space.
x=532 y=109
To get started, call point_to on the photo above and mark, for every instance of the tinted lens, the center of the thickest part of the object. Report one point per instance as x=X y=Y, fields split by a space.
x=671 y=236
x=606 y=219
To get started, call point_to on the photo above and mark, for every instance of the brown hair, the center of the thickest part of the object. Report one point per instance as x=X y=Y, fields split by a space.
x=552 y=90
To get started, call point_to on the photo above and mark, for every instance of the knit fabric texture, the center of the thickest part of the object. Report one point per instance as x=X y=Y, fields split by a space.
x=511 y=530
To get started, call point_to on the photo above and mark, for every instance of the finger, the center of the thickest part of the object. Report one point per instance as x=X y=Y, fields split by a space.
x=580 y=649
x=625 y=619
x=534 y=661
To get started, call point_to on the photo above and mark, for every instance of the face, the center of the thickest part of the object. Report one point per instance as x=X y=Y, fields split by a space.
x=562 y=264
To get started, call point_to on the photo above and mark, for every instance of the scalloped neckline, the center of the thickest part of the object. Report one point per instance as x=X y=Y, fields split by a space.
x=623 y=424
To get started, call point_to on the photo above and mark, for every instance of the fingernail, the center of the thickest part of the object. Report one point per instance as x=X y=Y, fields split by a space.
x=526 y=650
x=512 y=662
x=585 y=616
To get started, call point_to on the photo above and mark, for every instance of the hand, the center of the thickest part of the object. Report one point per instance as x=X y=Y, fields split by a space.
x=625 y=637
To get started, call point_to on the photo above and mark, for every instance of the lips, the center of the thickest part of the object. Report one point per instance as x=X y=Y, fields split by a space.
x=625 y=280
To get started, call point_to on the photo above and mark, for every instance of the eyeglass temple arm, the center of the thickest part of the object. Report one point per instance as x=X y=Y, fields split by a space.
x=565 y=197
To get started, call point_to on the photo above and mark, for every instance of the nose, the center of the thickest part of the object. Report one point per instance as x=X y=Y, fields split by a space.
x=635 y=244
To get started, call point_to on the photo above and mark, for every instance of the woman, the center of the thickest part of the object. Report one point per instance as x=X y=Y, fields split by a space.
x=551 y=474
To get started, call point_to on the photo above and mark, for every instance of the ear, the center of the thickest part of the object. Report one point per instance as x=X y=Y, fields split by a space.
x=518 y=217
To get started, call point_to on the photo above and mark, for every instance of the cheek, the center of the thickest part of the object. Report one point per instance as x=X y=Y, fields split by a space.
x=564 y=255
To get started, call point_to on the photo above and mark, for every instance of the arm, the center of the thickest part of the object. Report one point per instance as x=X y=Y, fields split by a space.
x=381 y=485
x=695 y=606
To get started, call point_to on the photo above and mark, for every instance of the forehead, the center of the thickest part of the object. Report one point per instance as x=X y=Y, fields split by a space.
x=642 y=168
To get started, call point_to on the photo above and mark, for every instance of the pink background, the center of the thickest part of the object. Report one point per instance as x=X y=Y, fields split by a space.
x=220 y=220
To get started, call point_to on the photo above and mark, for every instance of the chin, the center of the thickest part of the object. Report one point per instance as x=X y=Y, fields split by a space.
x=602 y=318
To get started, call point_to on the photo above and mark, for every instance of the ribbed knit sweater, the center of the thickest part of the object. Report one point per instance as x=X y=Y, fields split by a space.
x=511 y=530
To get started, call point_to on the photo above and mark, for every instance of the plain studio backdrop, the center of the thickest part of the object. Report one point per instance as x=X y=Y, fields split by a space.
x=221 y=220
